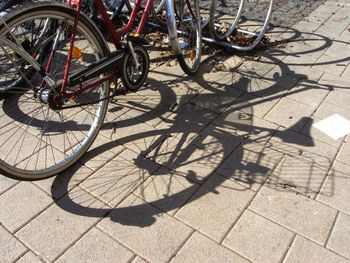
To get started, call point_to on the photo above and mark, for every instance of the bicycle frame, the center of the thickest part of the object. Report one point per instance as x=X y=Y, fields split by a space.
x=116 y=35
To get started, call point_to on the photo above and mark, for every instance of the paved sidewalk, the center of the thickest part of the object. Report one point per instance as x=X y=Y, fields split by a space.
x=223 y=167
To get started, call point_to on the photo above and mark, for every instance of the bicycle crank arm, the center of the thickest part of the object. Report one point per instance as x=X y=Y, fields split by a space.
x=105 y=65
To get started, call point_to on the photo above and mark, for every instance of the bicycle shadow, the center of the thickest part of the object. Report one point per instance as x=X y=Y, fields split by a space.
x=196 y=139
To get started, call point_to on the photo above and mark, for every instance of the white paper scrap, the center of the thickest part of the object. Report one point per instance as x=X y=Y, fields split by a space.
x=334 y=126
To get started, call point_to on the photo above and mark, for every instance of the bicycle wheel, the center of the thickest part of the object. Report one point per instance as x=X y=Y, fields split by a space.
x=185 y=33
x=224 y=16
x=133 y=76
x=38 y=140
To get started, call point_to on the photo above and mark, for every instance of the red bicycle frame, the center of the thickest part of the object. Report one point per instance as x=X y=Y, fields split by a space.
x=116 y=35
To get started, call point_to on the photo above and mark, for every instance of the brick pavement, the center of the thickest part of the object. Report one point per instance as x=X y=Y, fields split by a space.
x=235 y=173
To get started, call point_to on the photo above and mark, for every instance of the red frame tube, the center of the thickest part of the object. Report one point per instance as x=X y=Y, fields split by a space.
x=115 y=34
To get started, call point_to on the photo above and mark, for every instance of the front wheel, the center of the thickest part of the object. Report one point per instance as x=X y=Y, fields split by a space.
x=134 y=73
x=185 y=33
x=38 y=140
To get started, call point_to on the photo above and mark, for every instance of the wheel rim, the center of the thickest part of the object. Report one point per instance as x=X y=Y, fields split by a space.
x=189 y=37
x=36 y=140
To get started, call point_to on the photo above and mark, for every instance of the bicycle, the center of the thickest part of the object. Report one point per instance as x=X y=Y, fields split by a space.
x=64 y=68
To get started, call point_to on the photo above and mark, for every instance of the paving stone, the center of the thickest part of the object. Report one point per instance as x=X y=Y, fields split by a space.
x=303 y=53
x=29 y=257
x=309 y=92
x=314 y=133
x=250 y=164
x=344 y=152
x=101 y=152
x=190 y=119
x=334 y=65
x=269 y=245
x=331 y=29
x=335 y=190
x=283 y=81
x=327 y=109
x=343 y=36
x=59 y=226
x=299 y=176
x=257 y=85
x=165 y=73
x=144 y=229
x=11 y=248
x=135 y=135
x=181 y=156
x=201 y=249
x=104 y=145
x=251 y=105
x=319 y=43
x=186 y=122
x=303 y=147
x=304 y=71
x=246 y=125
x=178 y=92
x=336 y=49
x=303 y=250
x=290 y=114
x=215 y=206
x=333 y=81
x=150 y=112
x=17 y=209
x=122 y=104
x=96 y=246
x=59 y=185
x=339 y=98
x=138 y=260
x=253 y=69
x=119 y=177
x=6 y=183
x=167 y=190
x=216 y=99
x=213 y=138
x=12 y=140
x=295 y=212
x=305 y=26
x=304 y=45
x=340 y=236
x=346 y=72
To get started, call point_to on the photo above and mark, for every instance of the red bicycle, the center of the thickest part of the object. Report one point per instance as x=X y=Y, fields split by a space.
x=55 y=73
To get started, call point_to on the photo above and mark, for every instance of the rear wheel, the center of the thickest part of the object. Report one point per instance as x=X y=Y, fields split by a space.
x=43 y=133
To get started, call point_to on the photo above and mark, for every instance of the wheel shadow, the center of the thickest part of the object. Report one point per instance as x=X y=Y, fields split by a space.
x=196 y=135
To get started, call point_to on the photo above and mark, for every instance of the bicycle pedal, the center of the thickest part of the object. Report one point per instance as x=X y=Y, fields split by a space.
x=138 y=39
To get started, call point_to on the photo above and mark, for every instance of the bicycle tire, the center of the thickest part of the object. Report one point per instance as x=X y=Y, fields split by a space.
x=185 y=33
x=131 y=76
x=38 y=141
